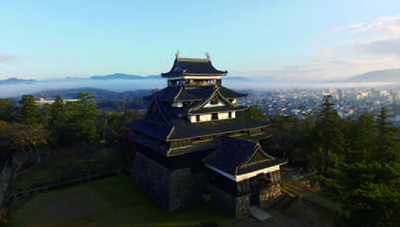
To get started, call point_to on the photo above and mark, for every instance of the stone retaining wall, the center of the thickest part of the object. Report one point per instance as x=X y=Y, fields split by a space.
x=236 y=206
x=63 y=184
x=171 y=189
x=268 y=195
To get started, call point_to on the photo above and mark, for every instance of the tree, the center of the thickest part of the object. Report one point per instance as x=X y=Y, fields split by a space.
x=328 y=137
x=58 y=117
x=387 y=142
x=81 y=124
x=7 y=110
x=359 y=137
x=369 y=193
x=29 y=138
x=109 y=125
x=257 y=113
x=30 y=113
x=284 y=134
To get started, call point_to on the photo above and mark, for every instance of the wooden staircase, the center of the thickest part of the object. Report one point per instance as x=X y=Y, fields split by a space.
x=285 y=198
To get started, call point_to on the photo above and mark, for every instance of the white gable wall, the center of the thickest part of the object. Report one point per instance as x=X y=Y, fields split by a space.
x=220 y=103
x=223 y=116
x=207 y=117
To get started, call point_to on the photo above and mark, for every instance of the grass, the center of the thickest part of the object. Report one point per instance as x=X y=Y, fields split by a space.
x=49 y=171
x=116 y=201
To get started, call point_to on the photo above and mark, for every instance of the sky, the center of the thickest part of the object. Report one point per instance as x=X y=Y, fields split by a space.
x=277 y=41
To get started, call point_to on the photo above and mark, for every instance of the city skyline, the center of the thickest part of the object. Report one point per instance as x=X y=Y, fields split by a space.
x=290 y=41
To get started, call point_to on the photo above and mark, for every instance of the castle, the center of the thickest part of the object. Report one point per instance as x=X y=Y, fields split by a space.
x=196 y=143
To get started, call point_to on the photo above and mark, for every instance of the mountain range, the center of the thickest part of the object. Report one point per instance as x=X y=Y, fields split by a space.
x=388 y=75
x=17 y=81
x=115 y=76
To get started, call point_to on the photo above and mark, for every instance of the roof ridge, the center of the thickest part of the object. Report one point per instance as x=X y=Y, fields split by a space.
x=193 y=59
x=180 y=90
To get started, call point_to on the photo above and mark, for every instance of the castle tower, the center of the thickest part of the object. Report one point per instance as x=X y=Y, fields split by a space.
x=195 y=140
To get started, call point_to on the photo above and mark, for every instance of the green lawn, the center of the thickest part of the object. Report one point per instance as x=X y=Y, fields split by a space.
x=116 y=201
x=51 y=170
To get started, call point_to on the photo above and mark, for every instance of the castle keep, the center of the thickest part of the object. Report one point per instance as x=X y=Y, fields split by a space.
x=195 y=142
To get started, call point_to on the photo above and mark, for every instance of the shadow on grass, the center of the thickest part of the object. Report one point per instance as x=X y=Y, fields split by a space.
x=116 y=201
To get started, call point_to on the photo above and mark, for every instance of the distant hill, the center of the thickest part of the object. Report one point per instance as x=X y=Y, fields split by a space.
x=98 y=93
x=115 y=76
x=105 y=100
x=236 y=78
x=16 y=81
x=124 y=76
x=388 y=75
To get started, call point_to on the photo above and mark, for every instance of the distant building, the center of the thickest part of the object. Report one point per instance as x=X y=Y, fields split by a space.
x=43 y=101
x=195 y=142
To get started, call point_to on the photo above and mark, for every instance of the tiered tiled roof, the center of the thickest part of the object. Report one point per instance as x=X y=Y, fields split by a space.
x=184 y=94
x=191 y=66
x=232 y=155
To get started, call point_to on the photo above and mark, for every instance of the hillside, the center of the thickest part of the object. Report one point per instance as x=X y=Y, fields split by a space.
x=388 y=75
x=16 y=81
x=98 y=93
x=117 y=76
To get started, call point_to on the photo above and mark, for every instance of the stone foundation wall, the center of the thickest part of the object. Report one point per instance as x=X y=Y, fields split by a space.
x=268 y=194
x=171 y=189
x=153 y=178
x=186 y=188
x=236 y=206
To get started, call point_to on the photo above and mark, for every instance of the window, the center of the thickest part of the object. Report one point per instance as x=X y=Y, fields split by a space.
x=214 y=116
x=230 y=114
x=197 y=118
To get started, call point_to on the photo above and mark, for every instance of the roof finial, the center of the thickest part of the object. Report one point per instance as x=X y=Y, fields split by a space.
x=208 y=56
x=177 y=53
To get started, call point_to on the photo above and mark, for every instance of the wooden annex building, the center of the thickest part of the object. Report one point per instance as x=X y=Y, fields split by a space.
x=195 y=142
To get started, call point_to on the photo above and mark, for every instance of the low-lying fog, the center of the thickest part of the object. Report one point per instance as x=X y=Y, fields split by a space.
x=15 y=90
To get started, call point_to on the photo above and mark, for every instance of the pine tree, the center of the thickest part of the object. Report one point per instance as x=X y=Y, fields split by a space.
x=387 y=142
x=360 y=138
x=7 y=110
x=57 y=122
x=82 y=123
x=30 y=113
x=369 y=193
x=329 y=139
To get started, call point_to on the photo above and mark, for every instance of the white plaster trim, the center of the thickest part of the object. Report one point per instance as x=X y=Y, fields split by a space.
x=244 y=176
x=222 y=172
x=255 y=173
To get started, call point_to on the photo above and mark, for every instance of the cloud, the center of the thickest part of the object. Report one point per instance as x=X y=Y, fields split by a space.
x=324 y=52
x=351 y=63
x=380 y=24
x=380 y=46
x=347 y=27
x=5 y=57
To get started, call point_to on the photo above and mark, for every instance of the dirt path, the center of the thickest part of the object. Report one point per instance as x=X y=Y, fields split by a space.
x=315 y=198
